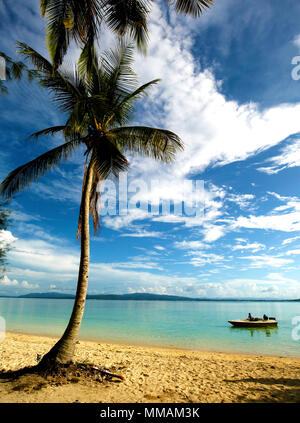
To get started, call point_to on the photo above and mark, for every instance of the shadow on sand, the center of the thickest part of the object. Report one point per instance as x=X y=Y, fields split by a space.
x=269 y=389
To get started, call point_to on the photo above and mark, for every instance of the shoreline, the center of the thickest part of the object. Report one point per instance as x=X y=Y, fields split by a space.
x=156 y=346
x=152 y=374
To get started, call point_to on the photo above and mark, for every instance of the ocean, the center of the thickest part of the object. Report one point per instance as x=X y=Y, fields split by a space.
x=193 y=325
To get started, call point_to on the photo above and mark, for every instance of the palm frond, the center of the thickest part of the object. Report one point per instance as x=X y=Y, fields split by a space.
x=14 y=70
x=70 y=19
x=140 y=91
x=48 y=131
x=116 y=64
x=191 y=7
x=124 y=109
x=24 y=175
x=79 y=120
x=65 y=86
x=107 y=158
x=58 y=33
x=38 y=61
x=43 y=6
x=160 y=144
x=88 y=61
x=129 y=17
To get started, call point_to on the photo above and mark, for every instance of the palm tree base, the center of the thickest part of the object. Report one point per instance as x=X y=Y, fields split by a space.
x=36 y=377
x=60 y=354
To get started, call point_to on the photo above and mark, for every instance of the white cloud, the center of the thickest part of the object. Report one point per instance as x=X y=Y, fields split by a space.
x=282 y=197
x=290 y=240
x=290 y=222
x=255 y=246
x=5 y=281
x=8 y=282
x=142 y=233
x=131 y=264
x=243 y=200
x=293 y=252
x=44 y=256
x=203 y=258
x=213 y=232
x=270 y=261
x=239 y=131
x=27 y=285
x=130 y=280
x=159 y=247
x=246 y=288
x=241 y=240
x=289 y=157
x=6 y=237
x=118 y=222
x=189 y=245
x=271 y=170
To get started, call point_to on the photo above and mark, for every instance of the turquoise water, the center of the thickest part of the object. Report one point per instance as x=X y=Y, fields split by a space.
x=195 y=325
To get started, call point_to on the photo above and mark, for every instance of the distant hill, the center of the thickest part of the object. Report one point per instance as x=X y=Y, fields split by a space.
x=56 y=295
x=135 y=296
x=140 y=297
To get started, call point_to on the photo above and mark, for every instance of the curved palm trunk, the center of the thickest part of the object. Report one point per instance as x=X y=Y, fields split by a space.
x=63 y=350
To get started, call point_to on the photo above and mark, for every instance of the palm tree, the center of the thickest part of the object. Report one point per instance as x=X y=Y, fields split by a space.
x=80 y=20
x=98 y=100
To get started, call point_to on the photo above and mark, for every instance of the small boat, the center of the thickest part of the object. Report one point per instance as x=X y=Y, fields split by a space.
x=258 y=323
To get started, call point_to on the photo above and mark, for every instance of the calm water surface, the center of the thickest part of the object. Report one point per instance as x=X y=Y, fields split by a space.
x=196 y=325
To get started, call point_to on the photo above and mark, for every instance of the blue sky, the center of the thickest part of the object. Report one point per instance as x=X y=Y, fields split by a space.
x=227 y=90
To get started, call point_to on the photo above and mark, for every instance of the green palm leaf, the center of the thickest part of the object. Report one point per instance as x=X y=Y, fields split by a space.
x=81 y=21
x=14 y=71
x=116 y=65
x=129 y=17
x=140 y=91
x=66 y=88
x=124 y=108
x=40 y=63
x=48 y=131
x=160 y=144
x=192 y=7
x=24 y=175
x=107 y=158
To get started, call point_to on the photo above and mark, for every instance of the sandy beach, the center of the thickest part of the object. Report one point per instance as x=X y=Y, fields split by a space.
x=155 y=375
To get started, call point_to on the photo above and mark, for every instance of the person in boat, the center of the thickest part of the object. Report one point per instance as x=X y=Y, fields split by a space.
x=265 y=317
x=250 y=317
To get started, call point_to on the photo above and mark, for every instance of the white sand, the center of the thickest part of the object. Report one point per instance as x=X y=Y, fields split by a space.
x=157 y=375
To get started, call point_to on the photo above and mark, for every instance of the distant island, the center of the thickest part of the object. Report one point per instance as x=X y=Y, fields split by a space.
x=138 y=296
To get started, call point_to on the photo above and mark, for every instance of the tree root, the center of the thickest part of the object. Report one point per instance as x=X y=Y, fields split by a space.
x=36 y=377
